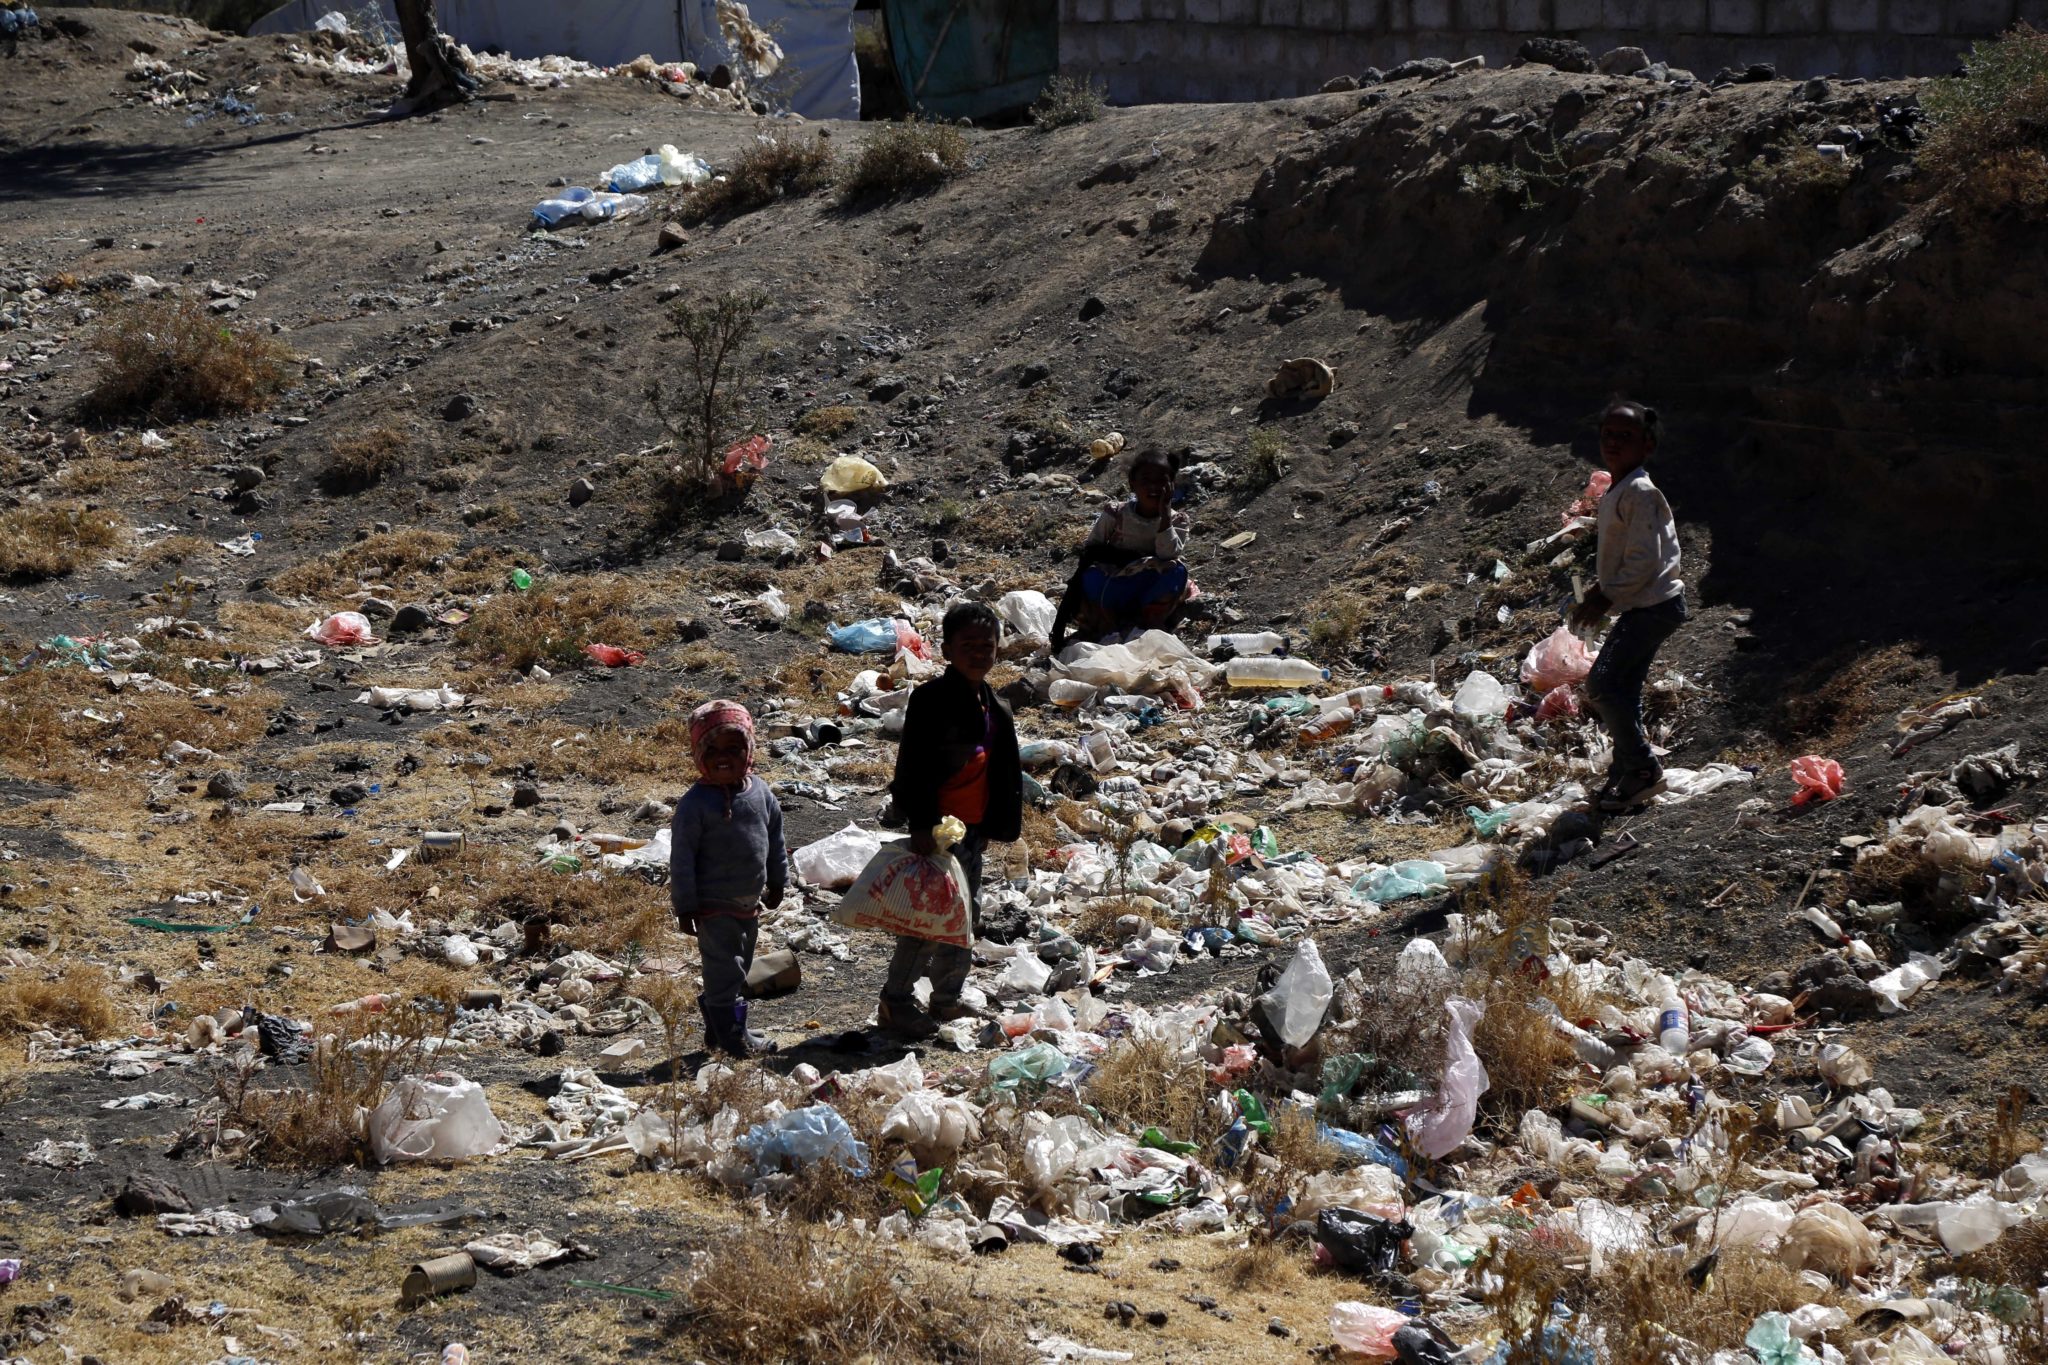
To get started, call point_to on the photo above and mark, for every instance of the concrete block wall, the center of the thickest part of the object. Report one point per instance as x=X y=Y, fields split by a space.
x=1153 y=51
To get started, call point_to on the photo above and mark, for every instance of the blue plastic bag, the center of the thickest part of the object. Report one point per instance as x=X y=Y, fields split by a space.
x=803 y=1137
x=874 y=636
x=1402 y=881
x=1362 y=1148
x=634 y=175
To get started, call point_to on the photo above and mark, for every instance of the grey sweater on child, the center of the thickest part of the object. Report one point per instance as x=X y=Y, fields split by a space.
x=725 y=851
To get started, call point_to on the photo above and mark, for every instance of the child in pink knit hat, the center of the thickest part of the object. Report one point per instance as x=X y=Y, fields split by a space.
x=726 y=860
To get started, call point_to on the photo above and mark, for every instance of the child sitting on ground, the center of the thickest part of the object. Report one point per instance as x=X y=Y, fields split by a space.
x=1637 y=562
x=725 y=862
x=1131 y=577
x=958 y=757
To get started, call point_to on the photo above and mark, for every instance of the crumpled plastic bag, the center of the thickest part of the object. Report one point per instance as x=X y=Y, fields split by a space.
x=1904 y=981
x=587 y=206
x=935 y=1127
x=1828 y=1238
x=612 y=656
x=1559 y=659
x=437 y=1117
x=1438 y=1129
x=1298 y=1000
x=343 y=628
x=1479 y=697
x=1817 y=778
x=1401 y=881
x=744 y=460
x=1562 y=700
x=1027 y=612
x=878 y=635
x=1366 y=1329
x=1362 y=1242
x=851 y=474
x=835 y=860
x=803 y=1137
x=442 y=698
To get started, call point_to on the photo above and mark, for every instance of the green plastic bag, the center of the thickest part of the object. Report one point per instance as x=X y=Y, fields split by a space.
x=1159 y=1141
x=1254 y=1113
x=1340 y=1076
x=1036 y=1065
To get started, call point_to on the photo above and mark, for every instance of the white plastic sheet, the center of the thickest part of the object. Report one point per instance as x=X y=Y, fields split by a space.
x=835 y=860
x=1298 y=999
x=1437 y=1130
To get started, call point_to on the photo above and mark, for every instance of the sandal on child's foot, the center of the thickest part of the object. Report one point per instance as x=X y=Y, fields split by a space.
x=1631 y=791
x=903 y=1019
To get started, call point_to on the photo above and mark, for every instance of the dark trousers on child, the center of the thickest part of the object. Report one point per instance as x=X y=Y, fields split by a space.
x=1614 y=689
x=726 y=944
x=945 y=964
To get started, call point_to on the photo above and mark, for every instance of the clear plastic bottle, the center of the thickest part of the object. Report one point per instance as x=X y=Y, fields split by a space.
x=1674 y=1025
x=1244 y=645
x=1273 y=672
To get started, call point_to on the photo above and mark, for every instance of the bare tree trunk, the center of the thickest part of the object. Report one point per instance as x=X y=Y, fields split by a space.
x=439 y=75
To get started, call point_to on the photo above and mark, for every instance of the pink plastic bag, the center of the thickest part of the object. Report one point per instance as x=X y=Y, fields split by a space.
x=744 y=460
x=1366 y=1329
x=908 y=638
x=1558 y=701
x=343 y=628
x=1559 y=659
x=611 y=656
x=1589 y=501
x=1818 y=779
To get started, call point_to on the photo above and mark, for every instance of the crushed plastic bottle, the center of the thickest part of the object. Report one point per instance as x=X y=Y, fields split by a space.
x=1265 y=642
x=1274 y=672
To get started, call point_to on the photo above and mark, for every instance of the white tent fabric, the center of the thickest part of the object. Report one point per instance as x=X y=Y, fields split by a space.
x=818 y=78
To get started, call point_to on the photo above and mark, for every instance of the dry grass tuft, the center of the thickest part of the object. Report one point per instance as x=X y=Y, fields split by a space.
x=1261 y=1263
x=391 y=557
x=828 y=423
x=359 y=462
x=76 y=1002
x=1829 y=702
x=904 y=158
x=1148 y=1083
x=170 y=358
x=1528 y=1062
x=782 y=164
x=316 y=1125
x=50 y=539
x=771 y=1293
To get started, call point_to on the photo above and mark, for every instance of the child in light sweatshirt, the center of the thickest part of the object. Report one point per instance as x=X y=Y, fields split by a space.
x=1131 y=577
x=1637 y=563
x=726 y=860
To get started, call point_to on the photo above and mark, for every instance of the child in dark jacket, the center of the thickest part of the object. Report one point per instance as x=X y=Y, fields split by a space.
x=958 y=757
x=726 y=860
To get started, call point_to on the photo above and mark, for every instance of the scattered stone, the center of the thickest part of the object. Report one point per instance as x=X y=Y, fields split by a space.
x=1302 y=378
x=1092 y=308
x=731 y=551
x=689 y=632
x=1565 y=54
x=1343 y=433
x=582 y=491
x=460 y=408
x=1815 y=91
x=1421 y=68
x=376 y=608
x=1156 y=1318
x=942 y=553
x=349 y=794
x=411 y=619
x=668 y=292
x=145 y=1194
x=888 y=389
x=244 y=477
x=1338 y=85
x=672 y=236
x=225 y=786
x=1034 y=374
x=1623 y=61
x=1277 y=1328
x=249 y=504
x=525 y=795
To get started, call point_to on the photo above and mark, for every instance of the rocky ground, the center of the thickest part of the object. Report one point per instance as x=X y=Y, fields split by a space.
x=1850 y=381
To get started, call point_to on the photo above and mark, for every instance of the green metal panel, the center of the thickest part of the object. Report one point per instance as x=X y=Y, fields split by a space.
x=972 y=58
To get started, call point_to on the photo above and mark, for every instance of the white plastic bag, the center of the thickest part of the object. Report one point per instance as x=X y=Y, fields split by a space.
x=1298 y=999
x=1438 y=1129
x=1903 y=982
x=935 y=1127
x=835 y=860
x=438 y=1117
x=1366 y=1329
x=1027 y=612
x=1480 y=697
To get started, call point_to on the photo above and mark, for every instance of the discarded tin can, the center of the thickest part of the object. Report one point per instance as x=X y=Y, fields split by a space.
x=436 y=843
x=431 y=1279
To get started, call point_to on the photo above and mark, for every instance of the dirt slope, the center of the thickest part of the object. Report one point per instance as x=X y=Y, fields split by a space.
x=1851 y=385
